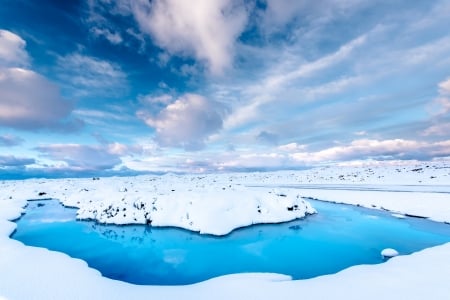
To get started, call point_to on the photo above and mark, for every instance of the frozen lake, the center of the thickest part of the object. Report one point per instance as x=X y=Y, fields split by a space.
x=339 y=236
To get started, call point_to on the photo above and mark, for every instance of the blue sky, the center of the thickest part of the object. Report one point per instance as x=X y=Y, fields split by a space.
x=123 y=87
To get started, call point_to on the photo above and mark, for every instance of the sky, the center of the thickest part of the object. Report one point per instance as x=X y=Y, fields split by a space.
x=99 y=88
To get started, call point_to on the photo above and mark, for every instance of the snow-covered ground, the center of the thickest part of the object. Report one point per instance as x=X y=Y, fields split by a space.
x=206 y=204
x=217 y=204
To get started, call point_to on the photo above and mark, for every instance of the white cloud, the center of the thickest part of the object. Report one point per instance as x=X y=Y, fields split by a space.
x=164 y=99
x=293 y=155
x=203 y=29
x=104 y=118
x=441 y=129
x=93 y=114
x=307 y=69
x=249 y=161
x=444 y=87
x=12 y=50
x=434 y=51
x=187 y=122
x=29 y=101
x=113 y=37
x=291 y=147
x=440 y=108
x=384 y=149
x=360 y=133
x=276 y=82
x=363 y=150
x=88 y=157
x=87 y=75
x=281 y=12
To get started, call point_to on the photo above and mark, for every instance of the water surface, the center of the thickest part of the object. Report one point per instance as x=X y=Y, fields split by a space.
x=339 y=236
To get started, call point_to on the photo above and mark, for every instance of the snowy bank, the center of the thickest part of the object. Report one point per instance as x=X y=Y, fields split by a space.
x=36 y=273
x=203 y=204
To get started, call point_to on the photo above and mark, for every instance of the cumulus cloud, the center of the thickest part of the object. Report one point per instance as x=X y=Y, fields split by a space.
x=12 y=50
x=87 y=157
x=29 y=101
x=203 y=29
x=187 y=122
x=87 y=75
x=8 y=140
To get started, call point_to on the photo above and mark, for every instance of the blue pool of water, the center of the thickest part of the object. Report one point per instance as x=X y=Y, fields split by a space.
x=339 y=236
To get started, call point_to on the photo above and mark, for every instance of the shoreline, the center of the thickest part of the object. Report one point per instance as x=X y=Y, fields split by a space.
x=49 y=274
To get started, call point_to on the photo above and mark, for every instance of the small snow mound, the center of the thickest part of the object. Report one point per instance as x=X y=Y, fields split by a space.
x=398 y=216
x=389 y=252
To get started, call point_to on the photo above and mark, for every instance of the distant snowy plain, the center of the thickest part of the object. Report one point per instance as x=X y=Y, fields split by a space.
x=218 y=203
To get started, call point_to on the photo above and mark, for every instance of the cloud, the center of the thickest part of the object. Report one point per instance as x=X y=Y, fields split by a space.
x=441 y=129
x=8 y=140
x=12 y=50
x=86 y=157
x=279 y=13
x=101 y=21
x=254 y=162
x=291 y=147
x=291 y=156
x=278 y=82
x=12 y=161
x=308 y=69
x=113 y=37
x=87 y=75
x=267 y=137
x=376 y=149
x=159 y=101
x=440 y=109
x=187 y=122
x=207 y=33
x=29 y=101
x=444 y=87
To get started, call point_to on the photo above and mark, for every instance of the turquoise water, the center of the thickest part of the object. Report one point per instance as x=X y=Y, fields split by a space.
x=339 y=236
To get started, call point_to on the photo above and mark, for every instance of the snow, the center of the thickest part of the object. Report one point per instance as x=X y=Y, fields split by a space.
x=198 y=203
x=389 y=252
x=218 y=203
